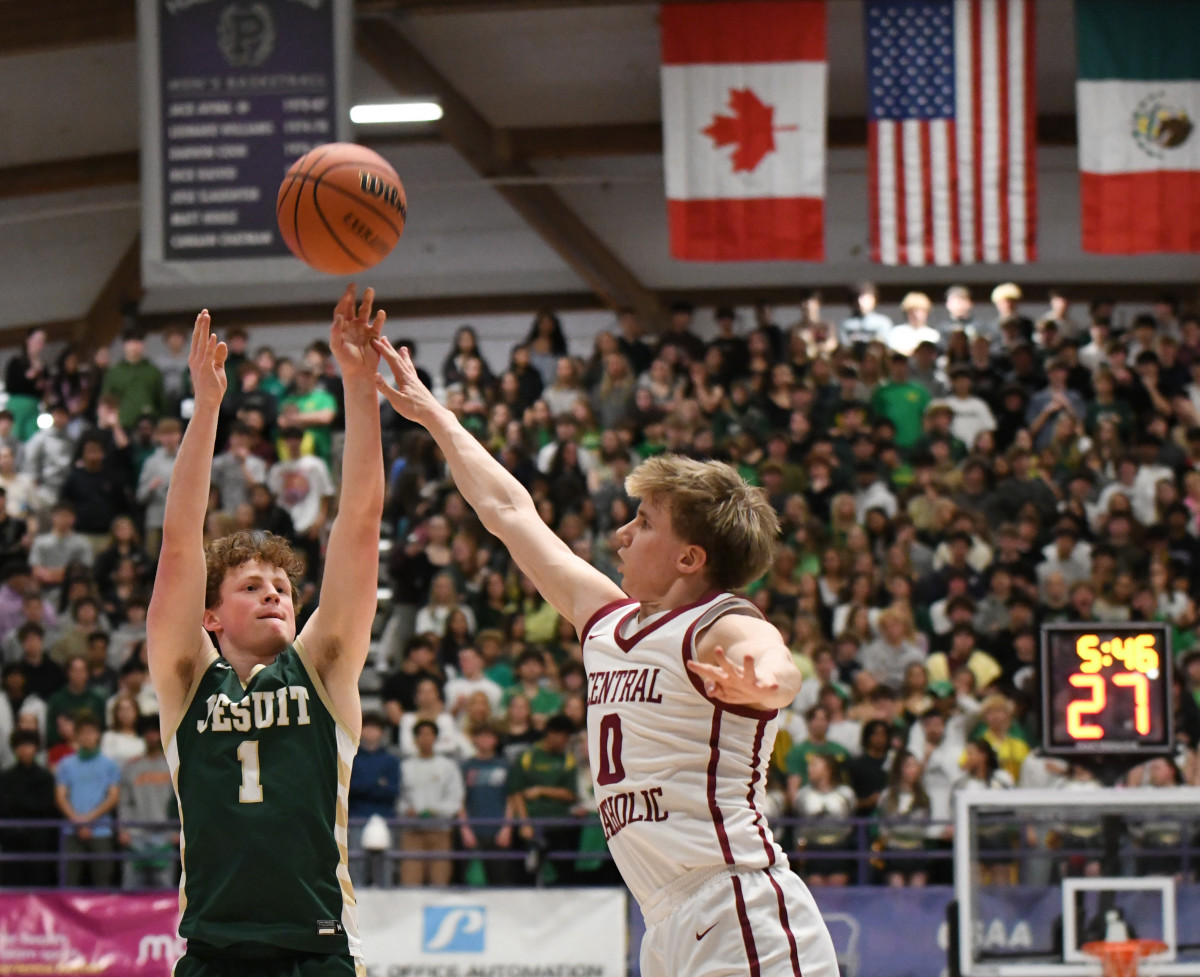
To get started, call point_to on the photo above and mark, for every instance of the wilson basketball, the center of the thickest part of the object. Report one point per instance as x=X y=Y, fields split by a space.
x=341 y=208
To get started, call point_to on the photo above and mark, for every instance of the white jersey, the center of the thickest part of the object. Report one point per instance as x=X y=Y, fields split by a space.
x=680 y=778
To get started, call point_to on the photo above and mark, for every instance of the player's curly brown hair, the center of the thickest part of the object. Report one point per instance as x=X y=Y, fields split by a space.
x=222 y=555
x=712 y=506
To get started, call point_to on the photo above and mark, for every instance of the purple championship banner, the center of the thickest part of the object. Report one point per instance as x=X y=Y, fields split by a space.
x=233 y=92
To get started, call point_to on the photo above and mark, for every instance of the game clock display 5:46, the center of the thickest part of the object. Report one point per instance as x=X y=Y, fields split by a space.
x=1106 y=690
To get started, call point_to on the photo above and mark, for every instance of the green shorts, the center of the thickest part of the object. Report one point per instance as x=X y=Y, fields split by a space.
x=285 y=965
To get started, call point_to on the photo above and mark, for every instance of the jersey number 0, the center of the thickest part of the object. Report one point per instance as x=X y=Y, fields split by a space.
x=611 y=770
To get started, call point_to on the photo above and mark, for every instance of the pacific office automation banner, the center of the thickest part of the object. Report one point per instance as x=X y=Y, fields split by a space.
x=233 y=92
x=493 y=933
x=1138 y=99
x=743 y=104
x=48 y=934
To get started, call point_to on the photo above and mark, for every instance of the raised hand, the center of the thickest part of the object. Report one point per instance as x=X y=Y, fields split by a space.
x=206 y=361
x=352 y=335
x=410 y=396
x=737 y=685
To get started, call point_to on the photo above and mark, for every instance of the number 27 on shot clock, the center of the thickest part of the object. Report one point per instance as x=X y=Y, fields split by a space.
x=1106 y=689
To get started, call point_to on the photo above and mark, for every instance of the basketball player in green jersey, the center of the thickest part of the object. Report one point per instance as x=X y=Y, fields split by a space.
x=261 y=724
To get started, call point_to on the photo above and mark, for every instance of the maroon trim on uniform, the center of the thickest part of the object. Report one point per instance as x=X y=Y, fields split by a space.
x=592 y=621
x=747 y=932
x=714 y=754
x=758 y=819
x=625 y=644
x=787 y=926
x=698 y=684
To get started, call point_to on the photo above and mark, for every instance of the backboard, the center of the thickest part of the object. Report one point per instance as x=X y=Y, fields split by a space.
x=1036 y=873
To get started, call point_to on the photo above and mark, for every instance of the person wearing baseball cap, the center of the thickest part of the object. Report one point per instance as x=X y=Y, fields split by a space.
x=1011 y=326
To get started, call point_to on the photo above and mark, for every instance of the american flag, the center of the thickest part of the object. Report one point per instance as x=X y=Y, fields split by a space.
x=951 y=131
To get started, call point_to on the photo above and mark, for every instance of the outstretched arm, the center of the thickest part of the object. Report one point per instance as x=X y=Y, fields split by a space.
x=573 y=586
x=338 y=635
x=175 y=637
x=743 y=662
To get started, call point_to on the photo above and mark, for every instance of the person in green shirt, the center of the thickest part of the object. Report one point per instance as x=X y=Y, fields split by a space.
x=530 y=670
x=544 y=783
x=73 y=698
x=902 y=402
x=260 y=718
x=796 y=763
x=312 y=407
x=135 y=382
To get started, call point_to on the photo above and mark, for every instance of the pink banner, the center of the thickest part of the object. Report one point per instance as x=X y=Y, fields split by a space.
x=125 y=935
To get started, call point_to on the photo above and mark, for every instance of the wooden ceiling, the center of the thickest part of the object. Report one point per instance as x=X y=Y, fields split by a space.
x=541 y=185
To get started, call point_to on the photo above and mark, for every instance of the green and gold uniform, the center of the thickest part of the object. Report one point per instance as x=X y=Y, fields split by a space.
x=262 y=772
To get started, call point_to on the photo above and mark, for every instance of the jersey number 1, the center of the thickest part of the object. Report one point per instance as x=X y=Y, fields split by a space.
x=251 y=790
x=611 y=770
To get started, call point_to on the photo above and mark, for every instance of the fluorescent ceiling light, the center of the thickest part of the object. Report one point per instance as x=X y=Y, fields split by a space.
x=396 y=112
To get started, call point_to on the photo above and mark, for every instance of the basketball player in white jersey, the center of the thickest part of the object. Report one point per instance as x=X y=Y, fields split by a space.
x=684 y=682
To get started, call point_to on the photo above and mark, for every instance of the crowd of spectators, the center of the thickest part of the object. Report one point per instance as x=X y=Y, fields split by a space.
x=946 y=484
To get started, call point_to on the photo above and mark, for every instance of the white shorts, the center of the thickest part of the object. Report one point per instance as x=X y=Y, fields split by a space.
x=760 y=923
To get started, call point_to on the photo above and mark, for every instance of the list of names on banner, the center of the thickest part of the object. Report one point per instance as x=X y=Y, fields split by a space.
x=246 y=90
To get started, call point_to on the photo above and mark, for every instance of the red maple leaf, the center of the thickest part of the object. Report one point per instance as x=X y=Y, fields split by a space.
x=751 y=128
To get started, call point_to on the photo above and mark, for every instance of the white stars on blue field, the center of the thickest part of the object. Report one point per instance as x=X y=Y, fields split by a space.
x=910 y=59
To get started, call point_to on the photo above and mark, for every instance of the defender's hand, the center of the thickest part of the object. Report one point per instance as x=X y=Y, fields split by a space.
x=735 y=684
x=410 y=397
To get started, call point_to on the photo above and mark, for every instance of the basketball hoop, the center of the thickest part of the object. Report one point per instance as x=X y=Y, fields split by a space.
x=1120 y=959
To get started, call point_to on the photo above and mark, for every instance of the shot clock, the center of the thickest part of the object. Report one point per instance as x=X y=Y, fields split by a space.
x=1106 y=690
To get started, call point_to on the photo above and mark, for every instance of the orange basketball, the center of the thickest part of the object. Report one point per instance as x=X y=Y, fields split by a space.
x=341 y=208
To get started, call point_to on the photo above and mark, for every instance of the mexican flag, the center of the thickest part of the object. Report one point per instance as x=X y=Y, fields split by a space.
x=1138 y=105
x=743 y=102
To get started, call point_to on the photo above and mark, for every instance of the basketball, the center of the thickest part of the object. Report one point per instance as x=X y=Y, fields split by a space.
x=341 y=208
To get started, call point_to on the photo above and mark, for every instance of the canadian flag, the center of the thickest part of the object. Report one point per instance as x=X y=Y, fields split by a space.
x=743 y=88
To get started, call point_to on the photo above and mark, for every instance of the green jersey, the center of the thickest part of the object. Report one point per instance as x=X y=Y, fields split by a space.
x=262 y=773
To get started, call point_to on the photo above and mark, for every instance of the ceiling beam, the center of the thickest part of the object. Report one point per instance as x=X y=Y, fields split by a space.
x=63 y=175
x=405 y=68
x=545 y=142
x=123 y=289
x=52 y=24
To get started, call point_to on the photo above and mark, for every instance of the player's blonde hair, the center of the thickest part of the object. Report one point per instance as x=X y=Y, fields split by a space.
x=229 y=552
x=713 y=507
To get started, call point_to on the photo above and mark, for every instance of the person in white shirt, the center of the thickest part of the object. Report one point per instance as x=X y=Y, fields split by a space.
x=451 y=742
x=718 y=700
x=121 y=741
x=906 y=336
x=302 y=485
x=235 y=469
x=873 y=493
x=443 y=601
x=470 y=679
x=431 y=788
x=1095 y=354
x=1135 y=486
x=845 y=732
x=972 y=415
x=1067 y=555
x=868 y=324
